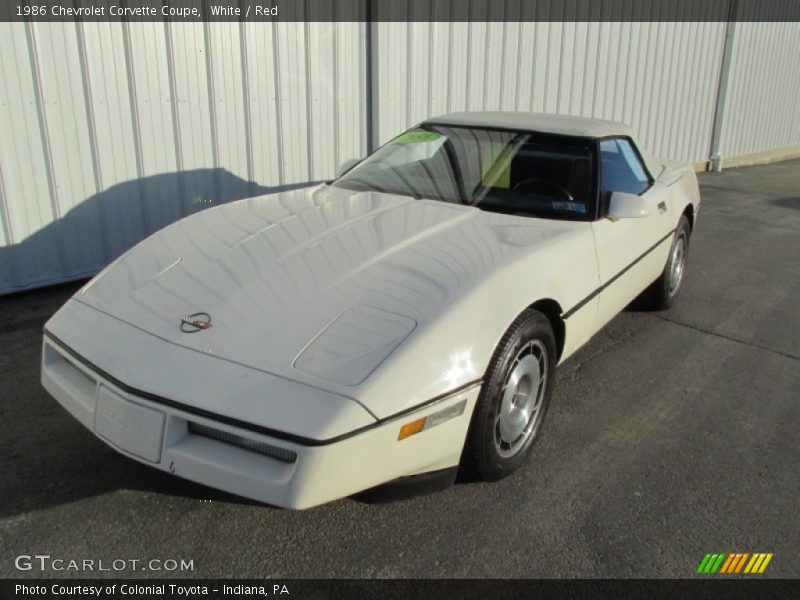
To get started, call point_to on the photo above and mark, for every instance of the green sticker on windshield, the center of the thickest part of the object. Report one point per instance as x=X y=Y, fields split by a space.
x=417 y=137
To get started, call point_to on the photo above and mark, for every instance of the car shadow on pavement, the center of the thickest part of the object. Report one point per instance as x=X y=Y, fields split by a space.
x=791 y=202
x=65 y=464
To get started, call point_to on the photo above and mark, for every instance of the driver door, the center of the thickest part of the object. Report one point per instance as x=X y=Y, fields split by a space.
x=631 y=252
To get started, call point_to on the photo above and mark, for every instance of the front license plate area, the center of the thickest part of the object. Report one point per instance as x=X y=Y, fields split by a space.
x=128 y=426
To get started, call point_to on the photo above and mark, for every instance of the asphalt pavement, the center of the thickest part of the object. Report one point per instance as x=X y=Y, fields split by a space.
x=669 y=435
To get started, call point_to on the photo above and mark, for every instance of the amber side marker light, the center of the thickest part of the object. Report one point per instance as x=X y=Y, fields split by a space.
x=411 y=428
x=432 y=420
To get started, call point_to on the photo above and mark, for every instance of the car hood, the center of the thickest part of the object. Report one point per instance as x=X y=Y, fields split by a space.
x=318 y=285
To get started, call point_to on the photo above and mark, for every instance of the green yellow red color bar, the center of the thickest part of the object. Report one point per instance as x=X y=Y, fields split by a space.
x=734 y=563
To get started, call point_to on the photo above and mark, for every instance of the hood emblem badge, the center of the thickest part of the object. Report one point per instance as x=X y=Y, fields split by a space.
x=196 y=322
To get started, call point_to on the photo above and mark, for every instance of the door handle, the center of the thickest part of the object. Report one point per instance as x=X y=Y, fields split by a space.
x=662 y=207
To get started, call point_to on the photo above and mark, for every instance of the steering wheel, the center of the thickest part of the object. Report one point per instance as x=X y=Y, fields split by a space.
x=534 y=184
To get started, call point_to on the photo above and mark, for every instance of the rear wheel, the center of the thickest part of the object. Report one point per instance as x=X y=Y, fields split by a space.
x=663 y=291
x=513 y=400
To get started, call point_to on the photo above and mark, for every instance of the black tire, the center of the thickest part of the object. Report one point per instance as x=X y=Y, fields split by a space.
x=662 y=292
x=485 y=457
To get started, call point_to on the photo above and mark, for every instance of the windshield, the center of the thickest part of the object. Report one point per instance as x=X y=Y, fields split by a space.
x=503 y=171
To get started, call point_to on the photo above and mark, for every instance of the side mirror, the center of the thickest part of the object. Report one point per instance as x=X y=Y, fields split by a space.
x=629 y=206
x=346 y=166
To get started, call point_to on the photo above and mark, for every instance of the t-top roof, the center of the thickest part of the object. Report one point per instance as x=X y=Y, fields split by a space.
x=527 y=121
x=547 y=123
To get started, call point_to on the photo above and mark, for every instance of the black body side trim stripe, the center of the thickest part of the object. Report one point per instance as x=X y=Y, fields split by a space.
x=594 y=294
x=282 y=435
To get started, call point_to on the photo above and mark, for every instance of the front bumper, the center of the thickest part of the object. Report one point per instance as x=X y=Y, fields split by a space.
x=295 y=475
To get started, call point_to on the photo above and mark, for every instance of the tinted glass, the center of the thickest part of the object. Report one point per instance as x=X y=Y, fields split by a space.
x=621 y=168
x=502 y=171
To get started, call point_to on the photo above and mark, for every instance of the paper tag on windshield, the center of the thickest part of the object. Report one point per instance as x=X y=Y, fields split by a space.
x=417 y=137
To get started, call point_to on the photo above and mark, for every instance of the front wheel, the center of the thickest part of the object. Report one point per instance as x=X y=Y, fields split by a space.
x=513 y=400
x=663 y=291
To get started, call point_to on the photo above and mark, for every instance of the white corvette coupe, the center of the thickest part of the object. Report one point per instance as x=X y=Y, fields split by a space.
x=394 y=325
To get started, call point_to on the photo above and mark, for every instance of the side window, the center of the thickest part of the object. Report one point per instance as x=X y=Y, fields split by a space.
x=621 y=168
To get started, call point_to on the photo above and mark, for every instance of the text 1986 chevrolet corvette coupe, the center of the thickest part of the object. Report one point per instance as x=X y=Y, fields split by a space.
x=403 y=320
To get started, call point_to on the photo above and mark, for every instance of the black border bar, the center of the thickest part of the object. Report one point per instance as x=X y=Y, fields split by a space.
x=707 y=587
x=566 y=11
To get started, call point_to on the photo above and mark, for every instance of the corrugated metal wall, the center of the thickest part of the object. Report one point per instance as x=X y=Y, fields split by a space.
x=111 y=131
x=660 y=78
x=762 y=108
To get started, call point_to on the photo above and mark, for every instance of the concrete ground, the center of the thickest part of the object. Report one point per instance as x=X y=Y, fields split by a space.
x=670 y=435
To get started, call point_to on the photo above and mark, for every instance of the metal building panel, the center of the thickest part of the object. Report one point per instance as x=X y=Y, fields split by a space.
x=392 y=75
x=541 y=60
x=265 y=118
x=338 y=79
x=440 y=48
x=350 y=80
x=66 y=130
x=700 y=121
x=26 y=197
x=762 y=111
x=673 y=117
x=195 y=139
x=476 y=66
x=602 y=83
x=154 y=138
x=577 y=48
x=114 y=130
x=524 y=66
x=7 y=270
x=658 y=77
x=120 y=198
x=322 y=108
x=291 y=57
x=418 y=72
x=457 y=65
x=227 y=94
x=492 y=78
